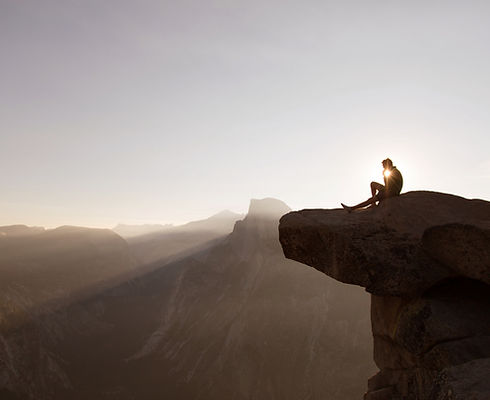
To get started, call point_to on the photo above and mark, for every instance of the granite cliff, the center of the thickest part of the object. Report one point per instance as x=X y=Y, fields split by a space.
x=425 y=259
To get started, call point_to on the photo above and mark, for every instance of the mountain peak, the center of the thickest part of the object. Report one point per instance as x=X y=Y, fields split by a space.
x=267 y=207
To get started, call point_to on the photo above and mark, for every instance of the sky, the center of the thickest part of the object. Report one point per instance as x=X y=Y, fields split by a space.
x=170 y=111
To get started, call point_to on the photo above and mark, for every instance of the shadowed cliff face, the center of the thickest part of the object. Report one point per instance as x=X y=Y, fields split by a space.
x=425 y=257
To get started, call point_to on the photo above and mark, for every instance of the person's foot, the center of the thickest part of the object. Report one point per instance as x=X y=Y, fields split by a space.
x=347 y=208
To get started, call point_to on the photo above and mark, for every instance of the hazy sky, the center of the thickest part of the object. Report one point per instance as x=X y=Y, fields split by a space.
x=168 y=111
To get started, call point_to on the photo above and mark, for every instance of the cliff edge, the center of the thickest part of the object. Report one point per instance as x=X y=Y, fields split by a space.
x=425 y=258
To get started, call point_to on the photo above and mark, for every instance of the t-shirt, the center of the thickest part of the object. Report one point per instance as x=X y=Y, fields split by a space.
x=394 y=182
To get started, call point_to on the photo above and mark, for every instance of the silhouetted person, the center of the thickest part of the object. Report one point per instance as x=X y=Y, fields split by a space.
x=393 y=185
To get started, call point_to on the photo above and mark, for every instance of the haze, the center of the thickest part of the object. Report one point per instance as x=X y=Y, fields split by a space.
x=159 y=111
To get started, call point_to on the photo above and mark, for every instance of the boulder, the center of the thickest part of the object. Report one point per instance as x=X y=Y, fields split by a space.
x=463 y=248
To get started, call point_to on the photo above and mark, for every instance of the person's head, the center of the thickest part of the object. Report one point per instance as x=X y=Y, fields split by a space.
x=387 y=164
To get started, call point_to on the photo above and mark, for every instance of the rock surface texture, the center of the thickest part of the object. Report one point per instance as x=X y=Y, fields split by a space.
x=425 y=259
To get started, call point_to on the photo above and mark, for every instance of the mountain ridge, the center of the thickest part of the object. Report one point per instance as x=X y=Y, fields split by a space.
x=233 y=320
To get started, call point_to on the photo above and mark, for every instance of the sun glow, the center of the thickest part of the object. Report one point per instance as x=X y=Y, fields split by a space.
x=387 y=173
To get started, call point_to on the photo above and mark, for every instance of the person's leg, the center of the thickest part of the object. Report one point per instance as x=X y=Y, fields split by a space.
x=376 y=187
x=368 y=202
x=377 y=190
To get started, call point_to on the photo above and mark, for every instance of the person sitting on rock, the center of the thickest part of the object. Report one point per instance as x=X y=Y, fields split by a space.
x=393 y=185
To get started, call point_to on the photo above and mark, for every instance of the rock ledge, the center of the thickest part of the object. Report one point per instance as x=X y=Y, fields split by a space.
x=425 y=258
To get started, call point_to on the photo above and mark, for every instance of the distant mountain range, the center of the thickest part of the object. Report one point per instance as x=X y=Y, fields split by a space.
x=39 y=265
x=128 y=231
x=172 y=242
x=221 y=222
x=215 y=315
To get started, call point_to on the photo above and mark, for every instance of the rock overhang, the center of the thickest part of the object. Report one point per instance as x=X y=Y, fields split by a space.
x=425 y=257
x=400 y=248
